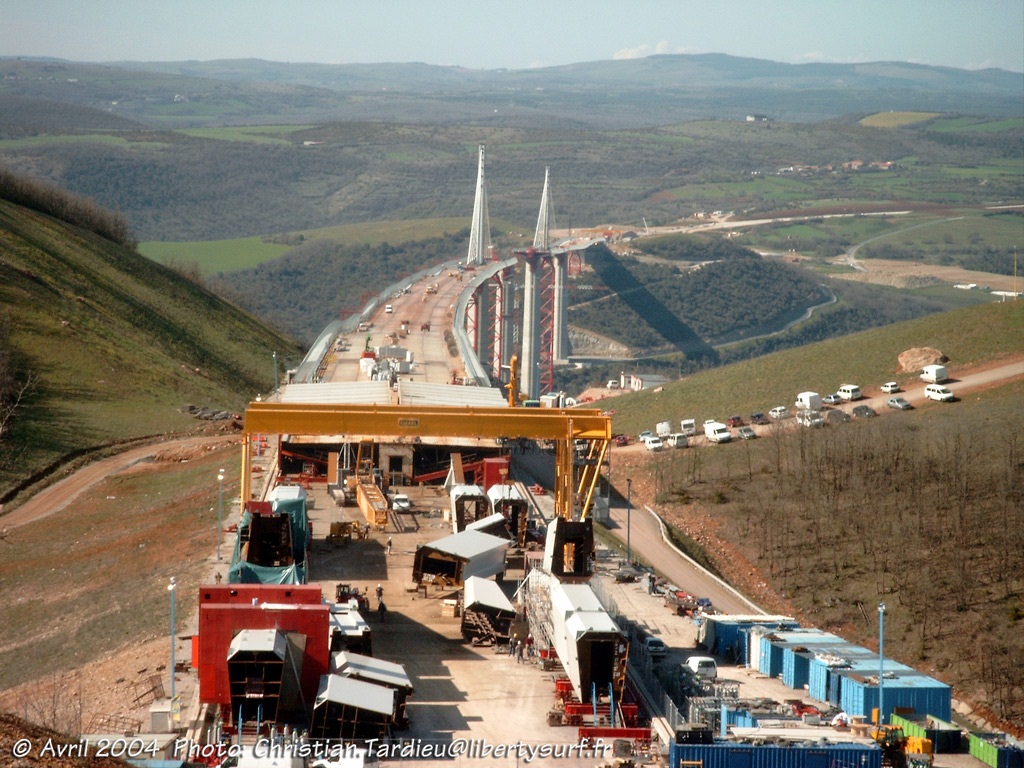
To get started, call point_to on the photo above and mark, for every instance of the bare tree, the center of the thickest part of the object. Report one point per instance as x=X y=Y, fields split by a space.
x=55 y=702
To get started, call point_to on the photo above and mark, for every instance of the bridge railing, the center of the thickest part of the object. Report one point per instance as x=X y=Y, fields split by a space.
x=306 y=372
x=475 y=371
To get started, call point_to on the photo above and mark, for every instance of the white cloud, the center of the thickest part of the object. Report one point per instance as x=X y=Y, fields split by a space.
x=985 y=64
x=646 y=49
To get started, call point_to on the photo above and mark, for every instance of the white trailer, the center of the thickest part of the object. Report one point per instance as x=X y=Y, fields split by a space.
x=808 y=401
x=934 y=374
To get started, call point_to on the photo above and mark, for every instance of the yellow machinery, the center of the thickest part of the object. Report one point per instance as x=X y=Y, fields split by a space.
x=513 y=381
x=581 y=438
x=369 y=497
x=901 y=751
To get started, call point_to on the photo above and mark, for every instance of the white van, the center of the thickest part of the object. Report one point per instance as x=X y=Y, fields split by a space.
x=849 y=392
x=678 y=440
x=388 y=309
x=653 y=443
x=716 y=431
x=938 y=392
x=702 y=666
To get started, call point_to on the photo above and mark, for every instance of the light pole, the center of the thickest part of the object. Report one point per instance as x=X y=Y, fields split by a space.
x=220 y=508
x=629 y=509
x=275 y=372
x=170 y=588
x=881 y=664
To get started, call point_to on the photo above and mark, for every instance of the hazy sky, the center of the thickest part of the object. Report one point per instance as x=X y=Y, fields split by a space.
x=517 y=34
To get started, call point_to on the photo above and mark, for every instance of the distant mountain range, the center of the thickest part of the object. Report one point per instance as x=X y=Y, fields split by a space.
x=601 y=94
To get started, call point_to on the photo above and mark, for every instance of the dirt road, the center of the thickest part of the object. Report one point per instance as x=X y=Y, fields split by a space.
x=57 y=496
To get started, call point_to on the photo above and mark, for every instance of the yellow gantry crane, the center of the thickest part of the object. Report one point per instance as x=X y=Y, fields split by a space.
x=573 y=493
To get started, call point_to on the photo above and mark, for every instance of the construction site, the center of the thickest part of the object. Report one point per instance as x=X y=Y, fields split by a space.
x=415 y=571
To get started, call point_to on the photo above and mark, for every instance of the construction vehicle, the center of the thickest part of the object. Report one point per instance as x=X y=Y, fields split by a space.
x=900 y=750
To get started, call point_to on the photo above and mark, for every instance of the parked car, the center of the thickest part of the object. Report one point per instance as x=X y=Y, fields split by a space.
x=890 y=387
x=938 y=392
x=898 y=403
x=620 y=439
x=836 y=416
x=863 y=412
x=654 y=443
x=735 y=421
x=401 y=503
x=832 y=399
x=779 y=412
x=746 y=433
x=655 y=647
x=644 y=435
x=758 y=418
x=702 y=666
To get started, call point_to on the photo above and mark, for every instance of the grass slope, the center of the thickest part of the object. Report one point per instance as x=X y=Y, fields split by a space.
x=966 y=336
x=114 y=344
x=921 y=510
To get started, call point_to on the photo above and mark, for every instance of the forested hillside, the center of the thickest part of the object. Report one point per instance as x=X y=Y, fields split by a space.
x=321 y=281
x=661 y=307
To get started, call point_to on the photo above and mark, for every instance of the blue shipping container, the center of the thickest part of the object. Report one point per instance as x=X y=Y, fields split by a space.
x=817 y=680
x=771 y=658
x=795 y=668
x=920 y=693
x=724 y=755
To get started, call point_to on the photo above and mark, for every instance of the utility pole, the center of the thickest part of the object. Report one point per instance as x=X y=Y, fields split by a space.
x=170 y=588
x=629 y=509
x=220 y=508
x=881 y=665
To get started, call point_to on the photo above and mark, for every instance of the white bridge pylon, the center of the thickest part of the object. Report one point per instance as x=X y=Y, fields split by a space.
x=491 y=314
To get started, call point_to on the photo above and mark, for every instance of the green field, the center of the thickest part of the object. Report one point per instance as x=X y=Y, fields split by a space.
x=214 y=256
x=915 y=232
x=257 y=134
x=897 y=119
x=976 y=124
